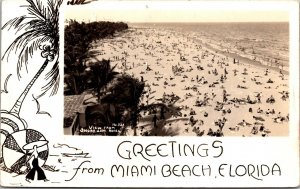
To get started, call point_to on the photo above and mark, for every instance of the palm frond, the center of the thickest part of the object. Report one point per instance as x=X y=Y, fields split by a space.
x=28 y=51
x=26 y=43
x=37 y=9
x=113 y=68
x=54 y=77
x=39 y=26
x=15 y=22
x=33 y=24
x=53 y=7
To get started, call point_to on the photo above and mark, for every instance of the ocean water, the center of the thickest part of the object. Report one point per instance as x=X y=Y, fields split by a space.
x=264 y=42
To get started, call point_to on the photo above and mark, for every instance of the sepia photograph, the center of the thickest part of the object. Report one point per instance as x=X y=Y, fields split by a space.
x=135 y=94
x=172 y=71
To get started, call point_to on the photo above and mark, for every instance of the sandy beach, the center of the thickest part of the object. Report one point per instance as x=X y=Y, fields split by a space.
x=215 y=94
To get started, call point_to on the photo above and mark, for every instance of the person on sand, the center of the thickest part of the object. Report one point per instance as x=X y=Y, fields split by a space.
x=262 y=128
x=272 y=112
x=235 y=71
x=210 y=132
x=216 y=72
x=243 y=123
x=205 y=114
x=225 y=96
x=254 y=130
x=192 y=120
x=225 y=72
x=192 y=112
x=219 y=133
x=283 y=97
x=222 y=78
x=248 y=99
x=35 y=167
x=259 y=110
x=271 y=99
x=258 y=96
x=267 y=71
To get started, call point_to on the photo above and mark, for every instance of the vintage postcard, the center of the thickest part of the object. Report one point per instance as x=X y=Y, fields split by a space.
x=149 y=93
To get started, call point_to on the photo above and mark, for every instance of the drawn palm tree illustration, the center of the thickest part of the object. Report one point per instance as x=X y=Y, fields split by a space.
x=36 y=32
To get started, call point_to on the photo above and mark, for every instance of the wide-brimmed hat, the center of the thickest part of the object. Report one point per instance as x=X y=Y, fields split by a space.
x=39 y=143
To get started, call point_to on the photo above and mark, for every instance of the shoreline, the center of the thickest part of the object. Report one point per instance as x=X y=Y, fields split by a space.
x=244 y=59
x=218 y=51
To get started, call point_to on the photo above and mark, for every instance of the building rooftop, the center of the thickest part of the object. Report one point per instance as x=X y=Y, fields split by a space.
x=73 y=104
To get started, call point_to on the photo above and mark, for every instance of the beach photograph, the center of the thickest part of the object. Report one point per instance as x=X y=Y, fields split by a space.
x=120 y=93
x=165 y=71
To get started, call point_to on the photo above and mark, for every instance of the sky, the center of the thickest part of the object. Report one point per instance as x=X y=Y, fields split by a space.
x=181 y=11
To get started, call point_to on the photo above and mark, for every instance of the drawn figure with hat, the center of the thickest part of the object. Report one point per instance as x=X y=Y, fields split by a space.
x=35 y=162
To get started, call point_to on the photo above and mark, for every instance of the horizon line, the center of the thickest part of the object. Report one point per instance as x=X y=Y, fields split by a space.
x=206 y=22
x=180 y=22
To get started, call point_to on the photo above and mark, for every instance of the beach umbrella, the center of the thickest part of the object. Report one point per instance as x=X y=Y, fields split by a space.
x=18 y=147
x=10 y=123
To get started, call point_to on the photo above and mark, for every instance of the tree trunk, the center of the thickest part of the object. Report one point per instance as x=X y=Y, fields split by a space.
x=135 y=120
x=17 y=106
x=74 y=85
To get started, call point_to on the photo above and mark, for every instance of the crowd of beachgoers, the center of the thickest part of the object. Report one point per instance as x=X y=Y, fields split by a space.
x=214 y=94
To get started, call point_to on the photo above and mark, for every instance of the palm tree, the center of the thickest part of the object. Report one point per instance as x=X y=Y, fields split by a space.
x=101 y=74
x=36 y=31
x=125 y=91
